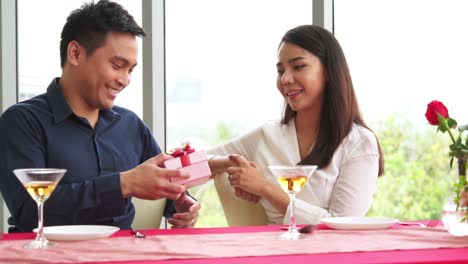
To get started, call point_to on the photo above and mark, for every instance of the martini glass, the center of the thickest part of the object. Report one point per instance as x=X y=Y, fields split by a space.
x=40 y=183
x=292 y=179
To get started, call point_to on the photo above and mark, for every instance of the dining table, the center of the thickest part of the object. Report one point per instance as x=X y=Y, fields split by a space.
x=249 y=244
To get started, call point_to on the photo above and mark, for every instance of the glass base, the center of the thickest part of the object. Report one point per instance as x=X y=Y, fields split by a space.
x=40 y=244
x=291 y=235
x=452 y=218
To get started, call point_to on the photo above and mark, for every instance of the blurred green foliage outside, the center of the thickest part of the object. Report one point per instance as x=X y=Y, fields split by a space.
x=417 y=180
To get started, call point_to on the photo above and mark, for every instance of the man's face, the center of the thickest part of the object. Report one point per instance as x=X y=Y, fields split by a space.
x=107 y=71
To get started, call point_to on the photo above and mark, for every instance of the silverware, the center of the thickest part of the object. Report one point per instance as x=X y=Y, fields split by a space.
x=432 y=223
x=411 y=223
x=307 y=229
x=137 y=234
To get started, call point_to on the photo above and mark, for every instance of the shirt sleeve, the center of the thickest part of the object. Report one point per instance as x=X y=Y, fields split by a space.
x=150 y=146
x=22 y=144
x=353 y=190
x=21 y=147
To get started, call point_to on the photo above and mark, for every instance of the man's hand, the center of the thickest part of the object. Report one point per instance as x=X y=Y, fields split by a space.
x=151 y=182
x=186 y=212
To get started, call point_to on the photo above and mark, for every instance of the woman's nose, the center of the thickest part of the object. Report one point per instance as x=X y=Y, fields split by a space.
x=287 y=78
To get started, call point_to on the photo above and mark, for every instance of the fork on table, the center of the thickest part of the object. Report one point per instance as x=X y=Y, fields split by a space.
x=432 y=223
x=136 y=234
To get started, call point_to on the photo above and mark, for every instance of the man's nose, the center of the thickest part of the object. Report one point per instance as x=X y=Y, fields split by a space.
x=125 y=79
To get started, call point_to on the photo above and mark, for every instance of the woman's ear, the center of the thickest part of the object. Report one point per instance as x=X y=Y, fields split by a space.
x=75 y=52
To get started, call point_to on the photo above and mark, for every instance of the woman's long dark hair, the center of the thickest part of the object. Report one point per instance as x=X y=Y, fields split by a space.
x=340 y=106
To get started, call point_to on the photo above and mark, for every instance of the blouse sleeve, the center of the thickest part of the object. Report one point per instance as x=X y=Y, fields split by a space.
x=240 y=145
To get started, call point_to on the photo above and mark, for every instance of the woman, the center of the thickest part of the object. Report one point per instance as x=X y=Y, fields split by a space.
x=321 y=125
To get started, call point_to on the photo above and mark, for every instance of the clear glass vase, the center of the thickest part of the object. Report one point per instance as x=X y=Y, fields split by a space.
x=452 y=218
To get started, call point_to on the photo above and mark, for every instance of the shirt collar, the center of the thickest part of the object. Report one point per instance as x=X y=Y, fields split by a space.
x=61 y=110
x=107 y=116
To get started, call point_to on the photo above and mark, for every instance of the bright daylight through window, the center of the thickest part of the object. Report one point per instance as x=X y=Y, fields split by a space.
x=221 y=73
x=220 y=79
x=402 y=55
x=38 y=49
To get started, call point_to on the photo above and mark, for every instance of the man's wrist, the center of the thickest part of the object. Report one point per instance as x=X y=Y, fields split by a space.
x=124 y=186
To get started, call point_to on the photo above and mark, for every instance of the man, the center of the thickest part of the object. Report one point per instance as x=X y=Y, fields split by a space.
x=109 y=153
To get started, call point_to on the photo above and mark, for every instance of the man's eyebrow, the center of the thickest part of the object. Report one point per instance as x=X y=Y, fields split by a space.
x=290 y=60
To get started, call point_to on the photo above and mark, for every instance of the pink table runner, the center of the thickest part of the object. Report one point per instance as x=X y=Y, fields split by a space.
x=230 y=245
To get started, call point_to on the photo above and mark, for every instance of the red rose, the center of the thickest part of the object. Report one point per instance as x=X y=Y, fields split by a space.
x=433 y=108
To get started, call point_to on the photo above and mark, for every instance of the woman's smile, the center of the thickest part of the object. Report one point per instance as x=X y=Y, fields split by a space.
x=293 y=94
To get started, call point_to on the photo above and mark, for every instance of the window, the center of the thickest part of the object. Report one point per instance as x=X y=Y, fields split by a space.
x=402 y=55
x=39 y=55
x=221 y=73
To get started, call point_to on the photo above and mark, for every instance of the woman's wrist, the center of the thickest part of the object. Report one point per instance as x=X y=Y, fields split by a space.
x=219 y=164
x=276 y=196
x=268 y=190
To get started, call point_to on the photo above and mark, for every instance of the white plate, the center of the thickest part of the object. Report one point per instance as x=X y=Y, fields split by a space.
x=359 y=222
x=78 y=232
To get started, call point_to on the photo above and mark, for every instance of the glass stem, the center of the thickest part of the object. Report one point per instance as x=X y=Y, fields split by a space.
x=40 y=225
x=292 y=223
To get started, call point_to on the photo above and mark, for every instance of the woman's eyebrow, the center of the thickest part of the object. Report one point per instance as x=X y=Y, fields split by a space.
x=290 y=61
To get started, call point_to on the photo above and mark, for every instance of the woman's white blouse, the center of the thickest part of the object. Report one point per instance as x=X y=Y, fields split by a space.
x=344 y=188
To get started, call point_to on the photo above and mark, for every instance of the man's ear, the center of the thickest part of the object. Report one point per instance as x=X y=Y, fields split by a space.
x=75 y=52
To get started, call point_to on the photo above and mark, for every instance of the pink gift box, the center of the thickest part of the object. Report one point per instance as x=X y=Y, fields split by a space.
x=195 y=163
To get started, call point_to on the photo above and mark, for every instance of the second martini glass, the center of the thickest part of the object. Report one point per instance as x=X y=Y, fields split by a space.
x=292 y=180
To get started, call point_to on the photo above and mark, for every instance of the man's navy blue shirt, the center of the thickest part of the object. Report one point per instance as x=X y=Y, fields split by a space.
x=43 y=132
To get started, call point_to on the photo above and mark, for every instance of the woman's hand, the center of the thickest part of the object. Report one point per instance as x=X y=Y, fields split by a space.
x=247 y=177
x=243 y=194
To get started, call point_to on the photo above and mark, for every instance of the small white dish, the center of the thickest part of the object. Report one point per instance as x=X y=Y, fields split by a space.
x=78 y=232
x=362 y=223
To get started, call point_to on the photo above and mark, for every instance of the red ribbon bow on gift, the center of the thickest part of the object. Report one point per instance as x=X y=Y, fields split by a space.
x=182 y=151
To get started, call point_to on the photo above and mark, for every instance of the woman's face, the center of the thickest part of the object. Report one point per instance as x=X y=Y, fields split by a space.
x=301 y=78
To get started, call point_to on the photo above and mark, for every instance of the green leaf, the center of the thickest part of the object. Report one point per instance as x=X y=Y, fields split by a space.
x=451 y=123
x=463 y=128
x=443 y=123
x=464 y=219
